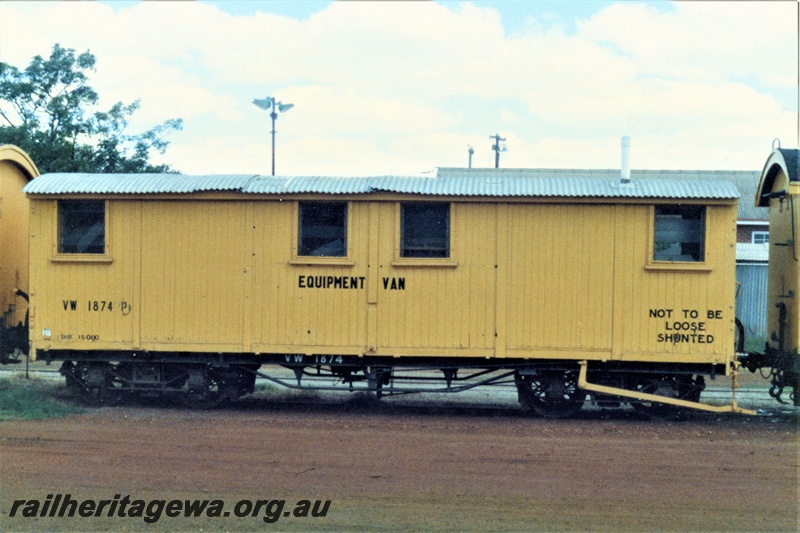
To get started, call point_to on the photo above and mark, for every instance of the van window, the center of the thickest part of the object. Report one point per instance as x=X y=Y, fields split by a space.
x=322 y=229
x=680 y=233
x=425 y=230
x=81 y=227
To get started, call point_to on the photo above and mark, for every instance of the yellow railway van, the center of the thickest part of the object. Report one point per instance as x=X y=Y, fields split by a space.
x=16 y=170
x=193 y=286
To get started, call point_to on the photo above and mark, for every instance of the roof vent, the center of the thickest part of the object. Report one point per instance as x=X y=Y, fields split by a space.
x=625 y=169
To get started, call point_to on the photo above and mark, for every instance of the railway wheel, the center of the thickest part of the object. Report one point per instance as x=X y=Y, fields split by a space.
x=207 y=388
x=683 y=387
x=551 y=393
x=96 y=384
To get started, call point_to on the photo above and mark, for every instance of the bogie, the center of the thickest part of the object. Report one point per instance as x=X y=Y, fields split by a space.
x=551 y=393
x=197 y=386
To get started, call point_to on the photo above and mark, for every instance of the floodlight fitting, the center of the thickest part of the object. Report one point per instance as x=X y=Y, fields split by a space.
x=264 y=103
x=284 y=107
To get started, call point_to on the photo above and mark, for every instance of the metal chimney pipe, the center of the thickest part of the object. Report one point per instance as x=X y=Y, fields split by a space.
x=625 y=170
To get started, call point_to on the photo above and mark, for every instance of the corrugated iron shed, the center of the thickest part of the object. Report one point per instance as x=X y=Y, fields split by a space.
x=496 y=185
x=751 y=299
x=752 y=253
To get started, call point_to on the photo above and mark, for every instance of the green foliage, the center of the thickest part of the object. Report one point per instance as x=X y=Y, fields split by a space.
x=32 y=399
x=49 y=110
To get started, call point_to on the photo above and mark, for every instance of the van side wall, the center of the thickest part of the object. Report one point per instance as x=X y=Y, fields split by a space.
x=556 y=280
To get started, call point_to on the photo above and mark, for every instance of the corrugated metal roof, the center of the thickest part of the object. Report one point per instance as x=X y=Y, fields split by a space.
x=457 y=185
x=81 y=183
x=536 y=186
x=749 y=252
x=308 y=184
x=746 y=181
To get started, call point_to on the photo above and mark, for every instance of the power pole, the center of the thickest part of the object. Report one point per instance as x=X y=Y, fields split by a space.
x=497 y=147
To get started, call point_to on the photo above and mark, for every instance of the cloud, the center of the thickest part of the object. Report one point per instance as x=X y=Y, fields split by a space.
x=394 y=87
x=703 y=41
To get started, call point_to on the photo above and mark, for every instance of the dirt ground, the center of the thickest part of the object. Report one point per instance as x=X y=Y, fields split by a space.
x=392 y=466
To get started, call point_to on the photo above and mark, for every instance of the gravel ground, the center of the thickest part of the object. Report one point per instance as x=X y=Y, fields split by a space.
x=469 y=462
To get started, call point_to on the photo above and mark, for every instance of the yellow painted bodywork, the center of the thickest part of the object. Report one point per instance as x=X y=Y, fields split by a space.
x=16 y=170
x=784 y=272
x=543 y=278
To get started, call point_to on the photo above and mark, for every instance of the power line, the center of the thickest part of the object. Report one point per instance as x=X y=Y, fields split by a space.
x=497 y=147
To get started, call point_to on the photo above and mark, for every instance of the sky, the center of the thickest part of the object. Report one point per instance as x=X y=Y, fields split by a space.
x=401 y=88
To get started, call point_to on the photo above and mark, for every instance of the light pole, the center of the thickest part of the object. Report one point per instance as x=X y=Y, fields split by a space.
x=269 y=104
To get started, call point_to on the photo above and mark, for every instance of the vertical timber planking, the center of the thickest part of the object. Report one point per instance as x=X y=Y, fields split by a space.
x=248 y=279
x=502 y=269
x=136 y=296
x=373 y=212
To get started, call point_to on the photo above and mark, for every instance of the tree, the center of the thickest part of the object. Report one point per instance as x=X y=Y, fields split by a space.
x=49 y=110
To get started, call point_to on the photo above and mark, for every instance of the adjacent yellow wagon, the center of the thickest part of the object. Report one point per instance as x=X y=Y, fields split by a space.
x=779 y=189
x=16 y=170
